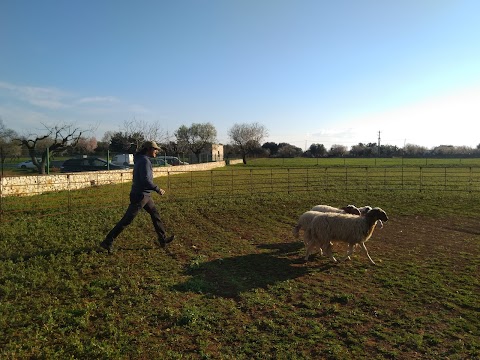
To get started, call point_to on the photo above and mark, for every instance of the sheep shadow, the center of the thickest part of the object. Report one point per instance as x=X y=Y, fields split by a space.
x=229 y=277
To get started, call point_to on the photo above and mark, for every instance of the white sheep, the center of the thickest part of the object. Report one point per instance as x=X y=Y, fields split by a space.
x=303 y=223
x=325 y=228
x=305 y=219
x=349 y=209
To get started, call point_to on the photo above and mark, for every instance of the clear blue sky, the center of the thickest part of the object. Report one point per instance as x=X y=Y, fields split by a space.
x=310 y=71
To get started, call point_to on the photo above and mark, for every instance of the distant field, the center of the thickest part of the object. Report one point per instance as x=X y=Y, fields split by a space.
x=233 y=285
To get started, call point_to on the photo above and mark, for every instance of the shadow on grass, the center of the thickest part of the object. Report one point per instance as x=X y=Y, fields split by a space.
x=229 y=277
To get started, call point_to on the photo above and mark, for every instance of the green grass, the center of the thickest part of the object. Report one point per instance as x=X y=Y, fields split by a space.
x=233 y=285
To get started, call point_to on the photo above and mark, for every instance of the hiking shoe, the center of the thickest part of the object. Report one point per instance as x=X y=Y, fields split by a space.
x=162 y=242
x=107 y=245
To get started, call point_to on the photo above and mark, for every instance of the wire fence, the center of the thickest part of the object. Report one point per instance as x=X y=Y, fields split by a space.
x=233 y=181
x=291 y=180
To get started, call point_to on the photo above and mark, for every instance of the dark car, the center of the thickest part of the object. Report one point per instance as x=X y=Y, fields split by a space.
x=172 y=160
x=89 y=164
x=158 y=162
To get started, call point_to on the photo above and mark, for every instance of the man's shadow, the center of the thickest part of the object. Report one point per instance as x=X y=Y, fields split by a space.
x=229 y=277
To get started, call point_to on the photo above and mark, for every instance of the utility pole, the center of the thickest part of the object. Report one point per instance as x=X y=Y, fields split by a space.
x=378 y=151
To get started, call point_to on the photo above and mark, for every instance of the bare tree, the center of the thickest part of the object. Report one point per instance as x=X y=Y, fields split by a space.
x=107 y=136
x=196 y=137
x=140 y=130
x=56 y=139
x=247 y=137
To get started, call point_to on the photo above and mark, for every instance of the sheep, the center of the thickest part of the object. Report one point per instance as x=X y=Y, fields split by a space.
x=364 y=209
x=303 y=223
x=325 y=228
x=307 y=217
x=349 y=209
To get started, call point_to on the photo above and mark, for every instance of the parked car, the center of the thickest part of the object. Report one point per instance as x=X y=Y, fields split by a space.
x=27 y=165
x=172 y=160
x=159 y=162
x=89 y=164
x=123 y=159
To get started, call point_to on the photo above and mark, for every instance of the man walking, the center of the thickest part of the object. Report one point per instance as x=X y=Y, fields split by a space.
x=140 y=198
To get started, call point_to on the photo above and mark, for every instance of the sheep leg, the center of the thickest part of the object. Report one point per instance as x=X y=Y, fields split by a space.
x=309 y=245
x=351 y=247
x=309 y=250
x=366 y=252
x=296 y=230
x=329 y=253
x=314 y=246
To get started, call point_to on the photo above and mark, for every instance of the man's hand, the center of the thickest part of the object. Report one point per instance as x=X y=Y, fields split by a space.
x=161 y=191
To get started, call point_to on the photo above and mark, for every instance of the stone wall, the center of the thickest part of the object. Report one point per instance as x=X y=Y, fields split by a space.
x=39 y=184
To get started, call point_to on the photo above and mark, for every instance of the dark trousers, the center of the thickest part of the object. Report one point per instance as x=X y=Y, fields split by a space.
x=137 y=203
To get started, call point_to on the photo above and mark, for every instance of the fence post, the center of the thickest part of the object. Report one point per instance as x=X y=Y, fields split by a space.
x=69 y=200
x=445 y=179
x=251 y=181
x=288 y=181
x=469 y=181
x=421 y=179
x=271 y=180
x=211 y=182
x=307 y=180
x=326 y=179
x=346 y=179
x=366 y=178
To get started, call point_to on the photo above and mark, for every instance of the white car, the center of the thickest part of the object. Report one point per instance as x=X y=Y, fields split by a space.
x=26 y=165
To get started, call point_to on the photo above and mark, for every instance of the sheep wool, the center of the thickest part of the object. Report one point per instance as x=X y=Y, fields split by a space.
x=349 y=209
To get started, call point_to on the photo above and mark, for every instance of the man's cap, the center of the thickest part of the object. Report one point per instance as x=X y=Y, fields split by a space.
x=150 y=144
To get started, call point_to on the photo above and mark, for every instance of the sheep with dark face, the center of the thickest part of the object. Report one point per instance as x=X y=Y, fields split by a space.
x=364 y=209
x=326 y=228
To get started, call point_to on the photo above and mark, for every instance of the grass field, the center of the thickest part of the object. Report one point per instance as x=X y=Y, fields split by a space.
x=233 y=285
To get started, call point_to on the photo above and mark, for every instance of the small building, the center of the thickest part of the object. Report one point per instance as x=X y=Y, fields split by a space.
x=212 y=152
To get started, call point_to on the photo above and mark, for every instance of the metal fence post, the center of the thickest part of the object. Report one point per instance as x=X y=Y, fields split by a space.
x=271 y=180
x=288 y=181
x=69 y=199
x=251 y=181
x=307 y=180
x=469 y=181
x=346 y=179
x=366 y=178
x=211 y=182
x=421 y=179
x=445 y=179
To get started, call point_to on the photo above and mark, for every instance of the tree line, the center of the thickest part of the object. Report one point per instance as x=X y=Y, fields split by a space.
x=70 y=140
x=245 y=141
